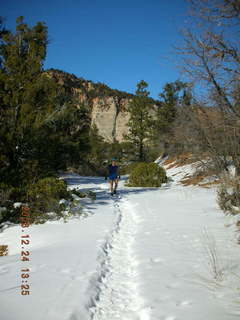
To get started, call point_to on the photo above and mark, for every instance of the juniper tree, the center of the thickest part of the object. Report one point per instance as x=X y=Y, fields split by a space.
x=26 y=94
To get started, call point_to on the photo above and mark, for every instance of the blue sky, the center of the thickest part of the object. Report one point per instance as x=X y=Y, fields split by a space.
x=115 y=42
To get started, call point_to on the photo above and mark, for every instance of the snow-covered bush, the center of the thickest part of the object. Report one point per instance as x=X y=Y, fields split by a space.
x=229 y=195
x=147 y=175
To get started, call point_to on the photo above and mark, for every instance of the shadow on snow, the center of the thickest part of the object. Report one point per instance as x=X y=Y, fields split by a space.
x=102 y=194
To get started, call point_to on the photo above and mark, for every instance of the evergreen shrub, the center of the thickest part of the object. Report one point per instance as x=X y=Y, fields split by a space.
x=147 y=175
x=127 y=168
x=8 y=196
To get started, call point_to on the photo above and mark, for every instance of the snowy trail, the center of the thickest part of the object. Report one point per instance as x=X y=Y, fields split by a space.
x=116 y=291
x=141 y=257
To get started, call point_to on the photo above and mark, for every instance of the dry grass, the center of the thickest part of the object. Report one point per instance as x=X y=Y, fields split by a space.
x=193 y=180
x=3 y=250
x=179 y=160
x=172 y=165
x=169 y=161
x=184 y=159
x=196 y=180
x=213 y=259
x=209 y=184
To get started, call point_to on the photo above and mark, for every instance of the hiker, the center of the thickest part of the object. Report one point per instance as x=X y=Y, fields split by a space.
x=113 y=176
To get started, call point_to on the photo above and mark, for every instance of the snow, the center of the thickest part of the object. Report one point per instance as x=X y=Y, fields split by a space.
x=179 y=173
x=17 y=204
x=164 y=253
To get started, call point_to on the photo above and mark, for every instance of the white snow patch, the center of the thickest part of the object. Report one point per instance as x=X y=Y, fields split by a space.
x=17 y=204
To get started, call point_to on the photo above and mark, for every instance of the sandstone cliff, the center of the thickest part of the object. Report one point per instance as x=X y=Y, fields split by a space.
x=110 y=116
x=108 y=107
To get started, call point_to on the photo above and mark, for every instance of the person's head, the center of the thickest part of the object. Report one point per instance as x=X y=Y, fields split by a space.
x=114 y=161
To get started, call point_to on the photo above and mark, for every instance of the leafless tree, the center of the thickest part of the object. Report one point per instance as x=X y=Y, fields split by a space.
x=211 y=58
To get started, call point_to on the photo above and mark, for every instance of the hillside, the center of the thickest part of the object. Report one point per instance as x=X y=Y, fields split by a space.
x=108 y=106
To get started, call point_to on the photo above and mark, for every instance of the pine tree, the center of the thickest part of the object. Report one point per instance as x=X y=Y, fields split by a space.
x=174 y=94
x=141 y=120
x=170 y=98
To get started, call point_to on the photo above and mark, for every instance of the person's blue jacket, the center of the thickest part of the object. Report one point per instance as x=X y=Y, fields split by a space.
x=112 y=172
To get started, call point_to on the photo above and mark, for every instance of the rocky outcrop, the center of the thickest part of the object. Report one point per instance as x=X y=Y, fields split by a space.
x=108 y=107
x=110 y=116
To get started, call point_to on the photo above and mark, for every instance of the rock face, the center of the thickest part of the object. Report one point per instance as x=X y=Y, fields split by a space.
x=110 y=116
x=108 y=107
